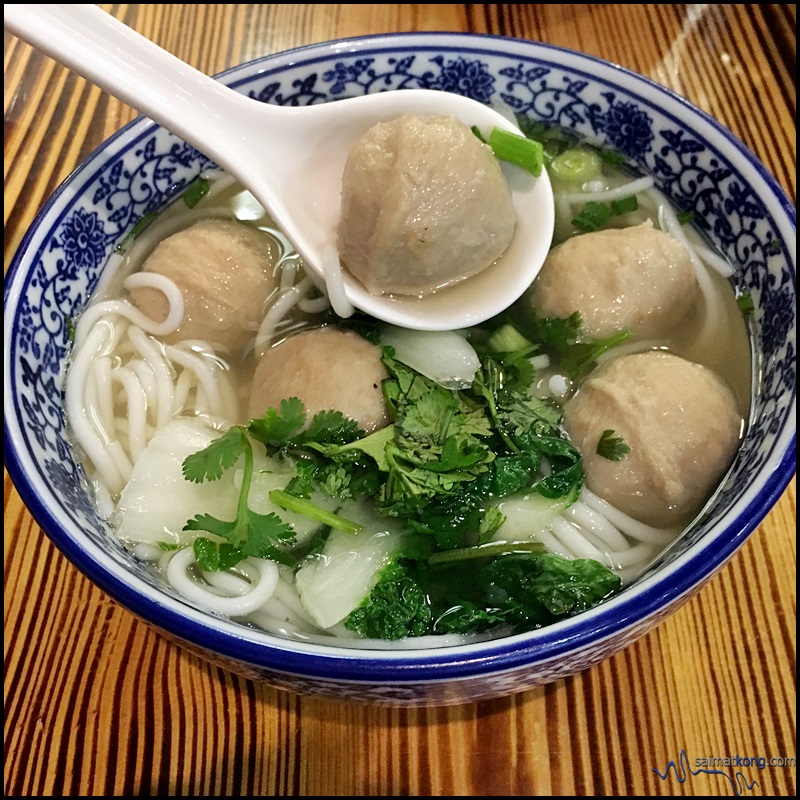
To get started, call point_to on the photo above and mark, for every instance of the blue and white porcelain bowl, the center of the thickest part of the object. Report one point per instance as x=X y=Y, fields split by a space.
x=695 y=161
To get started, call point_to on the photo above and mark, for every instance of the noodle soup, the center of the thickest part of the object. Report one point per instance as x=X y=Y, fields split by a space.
x=405 y=486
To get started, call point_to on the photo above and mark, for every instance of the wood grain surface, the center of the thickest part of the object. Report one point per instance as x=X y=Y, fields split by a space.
x=97 y=703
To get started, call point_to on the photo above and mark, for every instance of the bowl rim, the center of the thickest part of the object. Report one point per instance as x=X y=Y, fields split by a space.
x=625 y=611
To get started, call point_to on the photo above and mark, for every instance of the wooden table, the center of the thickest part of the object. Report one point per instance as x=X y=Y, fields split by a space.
x=96 y=703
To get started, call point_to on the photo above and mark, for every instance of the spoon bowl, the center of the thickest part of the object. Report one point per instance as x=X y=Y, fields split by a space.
x=292 y=158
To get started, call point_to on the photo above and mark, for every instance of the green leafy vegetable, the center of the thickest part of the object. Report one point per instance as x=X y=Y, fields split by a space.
x=625 y=205
x=611 y=157
x=438 y=470
x=488 y=550
x=397 y=606
x=612 y=447
x=536 y=589
x=524 y=591
x=593 y=217
x=284 y=429
x=219 y=456
x=69 y=322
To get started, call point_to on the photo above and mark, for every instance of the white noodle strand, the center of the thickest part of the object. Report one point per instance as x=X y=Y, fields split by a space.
x=629 y=526
x=125 y=309
x=626 y=189
x=207 y=379
x=162 y=372
x=277 y=313
x=669 y=222
x=259 y=592
x=93 y=443
x=334 y=282
x=137 y=410
x=572 y=537
x=586 y=517
x=711 y=259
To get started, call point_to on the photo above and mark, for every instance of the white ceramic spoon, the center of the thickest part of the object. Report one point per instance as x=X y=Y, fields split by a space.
x=292 y=158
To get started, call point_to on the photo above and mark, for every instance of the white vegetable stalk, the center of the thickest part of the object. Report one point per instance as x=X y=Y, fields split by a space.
x=443 y=356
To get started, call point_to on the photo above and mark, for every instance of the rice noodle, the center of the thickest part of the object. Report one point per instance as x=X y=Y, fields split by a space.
x=92 y=439
x=607 y=195
x=626 y=524
x=123 y=308
x=249 y=595
x=334 y=282
x=670 y=223
x=155 y=382
x=277 y=312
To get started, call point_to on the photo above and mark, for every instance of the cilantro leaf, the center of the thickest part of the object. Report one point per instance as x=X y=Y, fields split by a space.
x=277 y=427
x=251 y=534
x=612 y=447
x=214 y=556
x=564 y=340
x=220 y=455
x=594 y=216
x=330 y=427
x=265 y=534
x=286 y=429
x=211 y=524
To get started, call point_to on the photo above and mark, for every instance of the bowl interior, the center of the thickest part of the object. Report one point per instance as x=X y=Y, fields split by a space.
x=695 y=161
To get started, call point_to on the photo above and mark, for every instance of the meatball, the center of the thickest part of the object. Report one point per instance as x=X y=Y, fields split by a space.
x=682 y=426
x=424 y=204
x=224 y=271
x=639 y=279
x=327 y=368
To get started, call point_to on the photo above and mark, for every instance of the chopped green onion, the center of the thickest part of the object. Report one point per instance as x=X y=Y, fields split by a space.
x=299 y=505
x=70 y=325
x=611 y=157
x=491 y=550
x=685 y=217
x=516 y=149
x=476 y=130
x=196 y=191
x=576 y=165
x=138 y=227
x=775 y=247
x=507 y=339
x=593 y=216
x=625 y=205
x=746 y=304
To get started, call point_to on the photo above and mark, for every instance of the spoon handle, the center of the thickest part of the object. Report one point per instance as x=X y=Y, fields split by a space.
x=133 y=69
